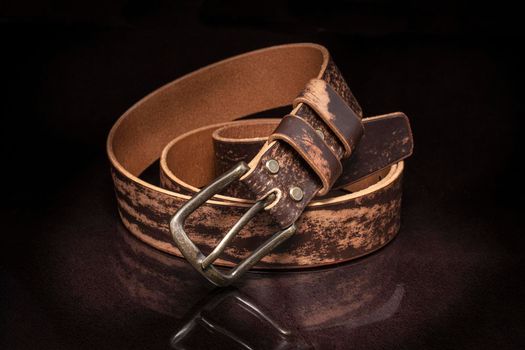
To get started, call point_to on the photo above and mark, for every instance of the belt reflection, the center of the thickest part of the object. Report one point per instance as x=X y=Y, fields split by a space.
x=231 y=317
x=280 y=310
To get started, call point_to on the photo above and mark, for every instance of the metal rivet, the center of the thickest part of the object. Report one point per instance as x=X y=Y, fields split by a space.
x=273 y=166
x=296 y=193
x=320 y=133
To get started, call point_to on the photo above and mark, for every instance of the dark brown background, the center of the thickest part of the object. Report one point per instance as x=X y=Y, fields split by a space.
x=69 y=69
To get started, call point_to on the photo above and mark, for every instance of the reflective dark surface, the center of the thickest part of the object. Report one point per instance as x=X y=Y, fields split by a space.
x=96 y=286
x=72 y=278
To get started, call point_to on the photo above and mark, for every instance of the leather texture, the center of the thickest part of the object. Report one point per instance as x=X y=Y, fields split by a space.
x=287 y=210
x=311 y=148
x=330 y=107
x=189 y=124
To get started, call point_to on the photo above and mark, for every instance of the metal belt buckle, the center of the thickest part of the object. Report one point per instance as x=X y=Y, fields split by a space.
x=203 y=263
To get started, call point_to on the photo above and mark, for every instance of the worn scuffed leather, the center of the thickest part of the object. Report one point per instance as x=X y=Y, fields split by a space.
x=333 y=229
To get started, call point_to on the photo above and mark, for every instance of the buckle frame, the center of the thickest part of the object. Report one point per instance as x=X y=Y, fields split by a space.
x=202 y=263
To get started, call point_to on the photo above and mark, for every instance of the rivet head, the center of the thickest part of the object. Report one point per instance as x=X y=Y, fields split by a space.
x=320 y=133
x=273 y=166
x=296 y=193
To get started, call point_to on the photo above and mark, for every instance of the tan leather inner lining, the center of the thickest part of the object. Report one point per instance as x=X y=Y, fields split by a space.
x=225 y=91
x=252 y=130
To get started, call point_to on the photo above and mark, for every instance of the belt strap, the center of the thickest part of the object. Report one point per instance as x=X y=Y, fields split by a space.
x=323 y=144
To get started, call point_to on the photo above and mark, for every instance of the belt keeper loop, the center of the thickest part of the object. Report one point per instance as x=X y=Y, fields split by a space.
x=303 y=138
x=333 y=110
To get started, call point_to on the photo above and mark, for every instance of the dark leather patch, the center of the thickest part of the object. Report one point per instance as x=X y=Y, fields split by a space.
x=387 y=140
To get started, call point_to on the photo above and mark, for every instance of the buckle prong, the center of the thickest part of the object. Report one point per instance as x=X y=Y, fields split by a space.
x=192 y=253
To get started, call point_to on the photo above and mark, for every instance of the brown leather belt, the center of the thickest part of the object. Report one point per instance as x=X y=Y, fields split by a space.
x=326 y=182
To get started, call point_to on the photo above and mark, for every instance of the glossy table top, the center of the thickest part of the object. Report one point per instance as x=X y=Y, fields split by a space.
x=90 y=284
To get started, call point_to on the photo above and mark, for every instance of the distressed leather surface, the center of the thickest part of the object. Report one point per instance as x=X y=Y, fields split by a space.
x=331 y=108
x=331 y=230
x=286 y=210
x=311 y=148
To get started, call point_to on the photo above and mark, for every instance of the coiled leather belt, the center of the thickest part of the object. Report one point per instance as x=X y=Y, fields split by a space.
x=326 y=182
